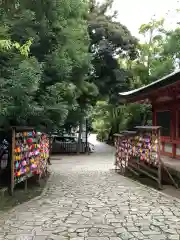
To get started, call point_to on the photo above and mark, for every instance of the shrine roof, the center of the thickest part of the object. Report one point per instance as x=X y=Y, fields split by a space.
x=145 y=90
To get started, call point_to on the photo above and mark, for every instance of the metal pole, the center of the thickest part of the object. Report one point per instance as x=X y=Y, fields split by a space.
x=87 y=149
x=79 y=143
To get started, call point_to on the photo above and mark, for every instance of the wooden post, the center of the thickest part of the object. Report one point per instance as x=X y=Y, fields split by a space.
x=125 y=154
x=173 y=126
x=121 y=146
x=159 y=160
x=25 y=185
x=12 y=160
x=116 y=152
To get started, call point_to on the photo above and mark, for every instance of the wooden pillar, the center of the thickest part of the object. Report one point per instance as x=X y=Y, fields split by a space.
x=159 y=159
x=173 y=130
x=12 y=161
x=154 y=123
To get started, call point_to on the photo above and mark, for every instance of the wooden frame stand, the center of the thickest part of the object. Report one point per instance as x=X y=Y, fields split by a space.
x=142 y=154
x=29 y=154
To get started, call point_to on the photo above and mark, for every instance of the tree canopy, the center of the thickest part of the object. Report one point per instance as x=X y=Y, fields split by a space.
x=156 y=56
x=109 y=40
x=59 y=60
x=45 y=85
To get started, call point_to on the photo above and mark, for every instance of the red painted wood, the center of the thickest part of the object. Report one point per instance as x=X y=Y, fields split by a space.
x=166 y=139
x=153 y=116
x=178 y=157
x=171 y=90
x=173 y=129
x=167 y=105
x=174 y=150
x=163 y=146
x=178 y=123
x=166 y=154
x=162 y=110
x=175 y=141
x=173 y=105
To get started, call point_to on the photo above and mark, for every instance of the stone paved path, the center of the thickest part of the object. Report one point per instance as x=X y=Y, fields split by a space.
x=86 y=200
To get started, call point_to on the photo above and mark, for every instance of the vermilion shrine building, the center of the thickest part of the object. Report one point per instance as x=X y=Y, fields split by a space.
x=164 y=95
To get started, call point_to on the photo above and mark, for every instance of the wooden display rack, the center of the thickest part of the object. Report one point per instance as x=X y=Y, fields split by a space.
x=123 y=144
x=29 y=154
x=118 y=153
x=142 y=154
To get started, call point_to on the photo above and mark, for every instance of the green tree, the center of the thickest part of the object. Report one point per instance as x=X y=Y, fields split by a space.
x=151 y=63
x=108 y=40
x=46 y=86
x=172 y=46
x=152 y=60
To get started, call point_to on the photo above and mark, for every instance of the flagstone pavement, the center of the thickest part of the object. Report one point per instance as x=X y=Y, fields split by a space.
x=86 y=200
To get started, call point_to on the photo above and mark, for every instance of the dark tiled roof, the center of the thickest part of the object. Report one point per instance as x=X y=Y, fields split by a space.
x=143 y=91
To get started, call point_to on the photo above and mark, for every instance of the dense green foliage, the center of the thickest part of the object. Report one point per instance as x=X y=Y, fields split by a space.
x=63 y=60
x=108 y=40
x=45 y=86
x=157 y=56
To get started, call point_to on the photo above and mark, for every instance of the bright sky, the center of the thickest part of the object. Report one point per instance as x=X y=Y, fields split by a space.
x=132 y=13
